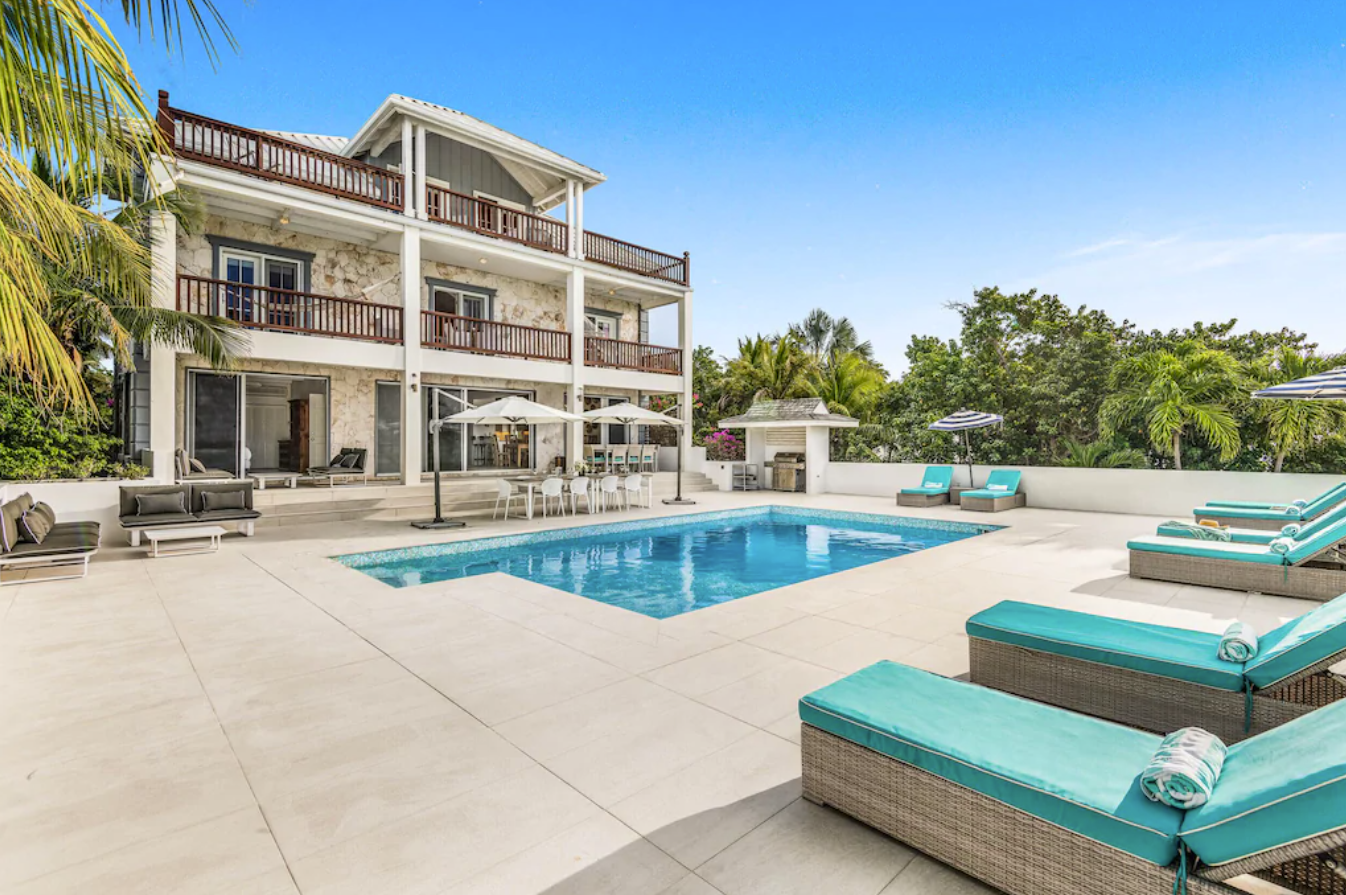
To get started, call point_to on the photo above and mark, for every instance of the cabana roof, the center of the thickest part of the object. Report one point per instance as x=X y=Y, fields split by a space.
x=789 y=413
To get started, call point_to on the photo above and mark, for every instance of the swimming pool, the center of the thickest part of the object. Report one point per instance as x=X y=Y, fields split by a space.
x=667 y=566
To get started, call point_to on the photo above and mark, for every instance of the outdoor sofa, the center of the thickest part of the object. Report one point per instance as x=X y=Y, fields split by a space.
x=142 y=507
x=1312 y=567
x=1037 y=800
x=1295 y=531
x=349 y=463
x=64 y=545
x=1270 y=516
x=1155 y=677
x=934 y=489
x=190 y=469
x=1001 y=492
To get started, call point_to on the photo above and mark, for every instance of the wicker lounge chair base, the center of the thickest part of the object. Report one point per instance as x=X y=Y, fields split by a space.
x=1304 y=581
x=1016 y=852
x=1150 y=702
x=1244 y=522
x=921 y=500
x=1002 y=846
x=993 y=504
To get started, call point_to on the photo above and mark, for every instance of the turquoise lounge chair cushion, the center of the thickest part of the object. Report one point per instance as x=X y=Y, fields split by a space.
x=1279 y=787
x=1175 y=653
x=1299 y=644
x=1010 y=749
x=1291 y=514
x=1333 y=495
x=943 y=490
x=1258 y=553
x=983 y=492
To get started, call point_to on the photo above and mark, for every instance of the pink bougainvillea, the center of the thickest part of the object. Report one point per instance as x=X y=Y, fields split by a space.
x=724 y=445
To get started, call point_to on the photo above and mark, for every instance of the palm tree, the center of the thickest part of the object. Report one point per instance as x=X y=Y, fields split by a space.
x=68 y=96
x=821 y=335
x=767 y=369
x=1175 y=392
x=1101 y=454
x=849 y=384
x=1291 y=426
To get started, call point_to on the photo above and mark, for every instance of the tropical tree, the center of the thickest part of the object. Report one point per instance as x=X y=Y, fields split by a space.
x=848 y=383
x=767 y=369
x=1292 y=426
x=68 y=97
x=821 y=335
x=1171 y=393
x=1101 y=454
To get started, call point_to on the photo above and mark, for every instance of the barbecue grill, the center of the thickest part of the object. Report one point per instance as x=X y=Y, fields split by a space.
x=787 y=472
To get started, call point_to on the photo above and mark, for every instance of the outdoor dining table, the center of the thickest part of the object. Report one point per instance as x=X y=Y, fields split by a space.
x=531 y=483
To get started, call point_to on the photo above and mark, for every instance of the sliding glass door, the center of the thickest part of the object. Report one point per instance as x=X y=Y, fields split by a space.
x=475 y=447
x=214 y=424
x=387 y=428
x=257 y=422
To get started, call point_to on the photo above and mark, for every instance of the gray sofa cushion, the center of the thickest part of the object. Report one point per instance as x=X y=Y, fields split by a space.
x=126 y=496
x=46 y=512
x=10 y=514
x=134 y=521
x=226 y=515
x=65 y=537
x=201 y=489
x=34 y=527
x=158 y=504
x=223 y=500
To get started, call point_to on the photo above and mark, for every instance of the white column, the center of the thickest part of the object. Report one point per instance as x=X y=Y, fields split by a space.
x=571 y=227
x=420 y=172
x=687 y=345
x=413 y=418
x=817 y=454
x=579 y=220
x=162 y=358
x=575 y=326
x=409 y=200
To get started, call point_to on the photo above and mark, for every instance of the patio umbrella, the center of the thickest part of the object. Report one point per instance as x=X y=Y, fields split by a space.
x=511 y=411
x=1329 y=386
x=630 y=414
x=966 y=420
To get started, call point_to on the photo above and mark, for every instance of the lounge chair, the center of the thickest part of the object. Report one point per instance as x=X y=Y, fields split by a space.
x=1295 y=531
x=190 y=469
x=349 y=463
x=1313 y=568
x=934 y=489
x=1036 y=800
x=1271 y=516
x=1335 y=494
x=1000 y=493
x=1155 y=677
x=65 y=546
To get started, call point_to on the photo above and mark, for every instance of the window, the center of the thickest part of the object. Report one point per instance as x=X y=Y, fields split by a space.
x=604 y=324
x=277 y=272
x=461 y=299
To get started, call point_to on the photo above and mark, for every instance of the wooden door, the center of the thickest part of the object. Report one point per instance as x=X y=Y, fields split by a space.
x=300 y=458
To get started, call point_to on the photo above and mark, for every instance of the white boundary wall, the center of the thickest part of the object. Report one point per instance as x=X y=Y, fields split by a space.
x=88 y=500
x=1146 y=492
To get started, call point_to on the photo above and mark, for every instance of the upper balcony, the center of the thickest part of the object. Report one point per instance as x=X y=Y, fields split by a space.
x=269 y=157
x=312 y=314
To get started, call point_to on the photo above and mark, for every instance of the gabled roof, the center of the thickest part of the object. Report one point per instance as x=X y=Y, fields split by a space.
x=789 y=412
x=538 y=170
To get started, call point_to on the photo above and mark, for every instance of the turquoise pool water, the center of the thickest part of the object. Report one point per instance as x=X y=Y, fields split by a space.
x=665 y=567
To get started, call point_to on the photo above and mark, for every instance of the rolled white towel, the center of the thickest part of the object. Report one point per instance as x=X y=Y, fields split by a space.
x=1238 y=644
x=1291 y=531
x=1184 y=769
x=1282 y=546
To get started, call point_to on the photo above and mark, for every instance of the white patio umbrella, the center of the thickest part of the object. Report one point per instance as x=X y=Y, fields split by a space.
x=963 y=421
x=631 y=414
x=1329 y=386
x=511 y=411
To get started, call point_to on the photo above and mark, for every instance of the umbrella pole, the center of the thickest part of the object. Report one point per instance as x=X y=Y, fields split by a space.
x=679 y=500
x=439 y=521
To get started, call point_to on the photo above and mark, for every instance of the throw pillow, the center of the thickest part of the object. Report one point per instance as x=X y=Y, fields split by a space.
x=25 y=502
x=33 y=527
x=336 y=461
x=197 y=465
x=351 y=461
x=222 y=500
x=9 y=525
x=45 y=510
x=158 y=504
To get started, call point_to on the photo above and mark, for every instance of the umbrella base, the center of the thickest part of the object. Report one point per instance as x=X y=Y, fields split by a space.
x=679 y=502
x=438 y=524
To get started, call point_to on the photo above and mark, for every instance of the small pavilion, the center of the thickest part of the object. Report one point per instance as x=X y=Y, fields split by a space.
x=794 y=425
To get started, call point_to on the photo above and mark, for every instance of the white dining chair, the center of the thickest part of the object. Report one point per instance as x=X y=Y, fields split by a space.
x=579 y=487
x=504 y=492
x=611 y=495
x=553 y=490
x=635 y=486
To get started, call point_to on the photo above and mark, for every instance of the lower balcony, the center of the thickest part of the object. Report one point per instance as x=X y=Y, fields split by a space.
x=449 y=332
x=289 y=311
x=600 y=352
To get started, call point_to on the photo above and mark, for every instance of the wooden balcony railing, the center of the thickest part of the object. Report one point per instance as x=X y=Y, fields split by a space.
x=262 y=155
x=284 y=310
x=637 y=259
x=481 y=216
x=600 y=352
x=453 y=333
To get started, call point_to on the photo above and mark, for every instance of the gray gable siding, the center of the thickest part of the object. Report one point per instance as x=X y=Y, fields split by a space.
x=466 y=168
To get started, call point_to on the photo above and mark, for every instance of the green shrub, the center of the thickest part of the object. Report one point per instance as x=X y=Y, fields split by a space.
x=40 y=444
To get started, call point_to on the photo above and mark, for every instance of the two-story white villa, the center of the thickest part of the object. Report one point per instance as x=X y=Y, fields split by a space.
x=387 y=279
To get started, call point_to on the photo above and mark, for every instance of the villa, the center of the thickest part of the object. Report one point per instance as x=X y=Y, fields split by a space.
x=385 y=280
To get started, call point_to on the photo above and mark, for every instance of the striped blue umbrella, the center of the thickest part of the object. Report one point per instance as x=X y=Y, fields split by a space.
x=962 y=421
x=1329 y=386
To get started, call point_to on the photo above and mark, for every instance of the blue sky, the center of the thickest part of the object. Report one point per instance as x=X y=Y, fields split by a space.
x=1164 y=162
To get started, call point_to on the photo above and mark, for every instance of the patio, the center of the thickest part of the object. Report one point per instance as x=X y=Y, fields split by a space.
x=263 y=720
